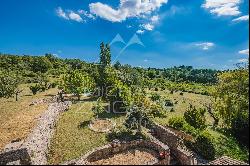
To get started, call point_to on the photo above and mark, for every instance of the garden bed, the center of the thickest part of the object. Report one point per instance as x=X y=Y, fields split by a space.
x=101 y=125
x=138 y=156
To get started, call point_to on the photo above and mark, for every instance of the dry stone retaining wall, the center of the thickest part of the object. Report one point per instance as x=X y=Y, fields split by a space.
x=172 y=139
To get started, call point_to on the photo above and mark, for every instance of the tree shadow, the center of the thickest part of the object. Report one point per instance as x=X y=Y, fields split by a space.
x=109 y=114
x=84 y=124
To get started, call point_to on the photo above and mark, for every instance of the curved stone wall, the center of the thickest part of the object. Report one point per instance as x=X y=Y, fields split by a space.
x=110 y=150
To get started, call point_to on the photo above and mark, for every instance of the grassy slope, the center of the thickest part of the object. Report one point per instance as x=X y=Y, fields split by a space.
x=73 y=138
x=225 y=144
x=18 y=118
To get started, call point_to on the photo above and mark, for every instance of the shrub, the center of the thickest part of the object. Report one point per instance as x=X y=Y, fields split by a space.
x=155 y=97
x=176 y=122
x=156 y=89
x=169 y=103
x=204 y=145
x=172 y=110
x=195 y=117
x=98 y=108
x=181 y=93
x=35 y=88
x=156 y=110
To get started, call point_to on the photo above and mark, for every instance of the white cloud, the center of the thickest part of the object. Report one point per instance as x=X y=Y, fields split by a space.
x=126 y=9
x=243 y=60
x=140 y=31
x=148 y=26
x=155 y=19
x=75 y=16
x=68 y=15
x=245 y=52
x=223 y=7
x=205 y=45
x=242 y=18
x=86 y=14
x=61 y=13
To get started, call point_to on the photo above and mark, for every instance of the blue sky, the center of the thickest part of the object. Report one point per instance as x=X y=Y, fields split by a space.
x=201 y=33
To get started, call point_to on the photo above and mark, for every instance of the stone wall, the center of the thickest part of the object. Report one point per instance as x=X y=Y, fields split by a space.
x=112 y=149
x=173 y=140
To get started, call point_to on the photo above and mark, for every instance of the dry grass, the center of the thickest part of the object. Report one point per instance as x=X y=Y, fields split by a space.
x=18 y=118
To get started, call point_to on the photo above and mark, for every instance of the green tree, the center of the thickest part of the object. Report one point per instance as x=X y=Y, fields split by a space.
x=232 y=101
x=9 y=83
x=77 y=82
x=195 y=117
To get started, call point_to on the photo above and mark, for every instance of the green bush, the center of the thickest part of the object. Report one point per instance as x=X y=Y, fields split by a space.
x=196 y=117
x=36 y=88
x=98 y=108
x=176 y=122
x=179 y=123
x=204 y=145
x=155 y=97
x=169 y=103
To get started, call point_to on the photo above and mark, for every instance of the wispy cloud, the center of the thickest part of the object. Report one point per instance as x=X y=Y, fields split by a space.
x=245 y=52
x=79 y=16
x=205 y=45
x=68 y=15
x=126 y=9
x=223 y=7
x=242 y=18
x=61 y=13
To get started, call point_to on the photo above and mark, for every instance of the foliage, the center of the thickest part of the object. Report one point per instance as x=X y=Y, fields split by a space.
x=195 y=117
x=35 y=88
x=98 y=108
x=176 y=122
x=136 y=118
x=77 y=82
x=155 y=97
x=179 y=123
x=120 y=96
x=204 y=145
x=9 y=82
x=232 y=102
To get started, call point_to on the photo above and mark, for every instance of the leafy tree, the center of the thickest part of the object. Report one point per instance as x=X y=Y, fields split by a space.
x=77 y=82
x=195 y=117
x=120 y=96
x=204 y=145
x=9 y=83
x=40 y=64
x=136 y=118
x=232 y=102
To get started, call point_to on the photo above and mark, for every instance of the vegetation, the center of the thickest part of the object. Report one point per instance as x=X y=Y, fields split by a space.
x=211 y=105
x=195 y=117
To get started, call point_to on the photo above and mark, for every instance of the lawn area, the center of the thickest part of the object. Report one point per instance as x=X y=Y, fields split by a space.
x=73 y=138
x=17 y=118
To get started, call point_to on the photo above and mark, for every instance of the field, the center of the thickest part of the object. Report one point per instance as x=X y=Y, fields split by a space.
x=17 y=118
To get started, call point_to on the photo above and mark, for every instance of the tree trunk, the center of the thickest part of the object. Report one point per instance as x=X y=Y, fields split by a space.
x=16 y=96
